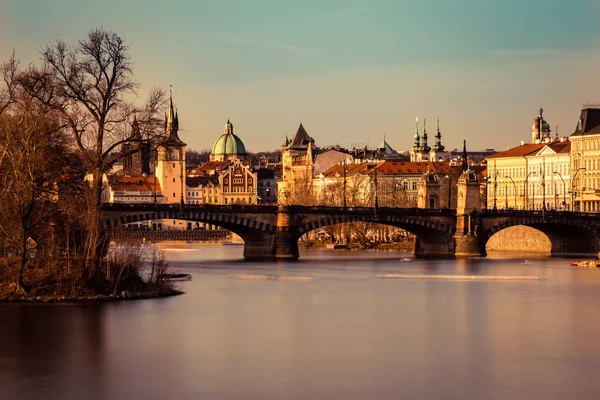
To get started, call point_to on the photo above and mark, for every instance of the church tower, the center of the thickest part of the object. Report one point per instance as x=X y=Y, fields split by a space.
x=540 y=131
x=438 y=147
x=170 y=168
x=416 y=147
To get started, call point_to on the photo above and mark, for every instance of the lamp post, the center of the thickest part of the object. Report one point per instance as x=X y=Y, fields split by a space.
x=543 y=172
x=573 y=187
x=449 y=191
x=564 y=188
x=495 y=183
x=525 y=189
x=514 y=187
x=375 y=181
x=344 y=182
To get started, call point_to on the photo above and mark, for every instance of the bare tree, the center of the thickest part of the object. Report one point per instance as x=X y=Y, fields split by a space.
x=91 y=85
x=34 y=160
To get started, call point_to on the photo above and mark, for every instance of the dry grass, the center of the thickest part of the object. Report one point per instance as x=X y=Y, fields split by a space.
x=127 y=272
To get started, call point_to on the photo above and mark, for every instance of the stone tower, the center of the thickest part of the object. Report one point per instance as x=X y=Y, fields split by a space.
x=467 y=222
x=170 y=167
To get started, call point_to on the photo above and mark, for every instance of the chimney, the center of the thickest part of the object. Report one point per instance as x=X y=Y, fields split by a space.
x=522 y=143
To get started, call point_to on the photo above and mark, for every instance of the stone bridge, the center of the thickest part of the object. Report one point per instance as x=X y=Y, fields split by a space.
x=272 y=232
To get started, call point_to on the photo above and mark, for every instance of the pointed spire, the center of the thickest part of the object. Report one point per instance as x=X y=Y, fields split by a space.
x=172 y=123
x=465 y=165
x=438 y=138
x=424 y=146
x=417 y=139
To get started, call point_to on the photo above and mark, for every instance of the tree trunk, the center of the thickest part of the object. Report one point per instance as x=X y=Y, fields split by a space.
x=20 y=284
x=95 y=243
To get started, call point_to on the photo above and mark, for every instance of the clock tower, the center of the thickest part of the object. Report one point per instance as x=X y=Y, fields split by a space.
x=170 y=168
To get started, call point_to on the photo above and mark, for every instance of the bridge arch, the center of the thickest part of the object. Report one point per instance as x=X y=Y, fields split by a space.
x=255 y=225
x=565 y=234
x=433 y=230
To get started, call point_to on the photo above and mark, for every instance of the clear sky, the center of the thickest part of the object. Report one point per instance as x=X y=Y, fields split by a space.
x=349 y=70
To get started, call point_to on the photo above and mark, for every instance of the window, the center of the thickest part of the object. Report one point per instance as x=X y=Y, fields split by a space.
x=173 y=194
x=173 y=180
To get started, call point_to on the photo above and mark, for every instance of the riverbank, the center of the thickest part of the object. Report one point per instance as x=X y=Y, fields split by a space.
x=124 y=296
x=57 y=282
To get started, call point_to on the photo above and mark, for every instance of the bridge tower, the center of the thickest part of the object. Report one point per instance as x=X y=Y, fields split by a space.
x=170 y=167
x=465 y=239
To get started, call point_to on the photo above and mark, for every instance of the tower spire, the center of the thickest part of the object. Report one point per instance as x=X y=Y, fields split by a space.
x=465 y=165
x=438 y=138
x=172 y=120
x=172 y=123
x=424 y=146
x=417 y=141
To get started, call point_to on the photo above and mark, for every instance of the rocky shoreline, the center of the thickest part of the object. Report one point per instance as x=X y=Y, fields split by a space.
x=92 y=298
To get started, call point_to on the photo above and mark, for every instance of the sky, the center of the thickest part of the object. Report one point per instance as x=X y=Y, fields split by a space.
x=351 y=71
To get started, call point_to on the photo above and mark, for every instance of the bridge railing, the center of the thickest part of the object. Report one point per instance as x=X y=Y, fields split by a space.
x=186 y=207
x=323 y=209
x=540 y=213
x=316 y=209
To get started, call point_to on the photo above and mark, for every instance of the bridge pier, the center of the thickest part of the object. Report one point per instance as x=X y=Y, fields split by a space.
x=286 y=238
x=259 y=247
x=440 y=246
x=466 y=241
x=467 y=246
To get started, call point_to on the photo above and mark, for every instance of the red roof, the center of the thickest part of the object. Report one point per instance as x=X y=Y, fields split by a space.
x=134 y=183
x=210 y=167
x=519 y=151
x=407 y=168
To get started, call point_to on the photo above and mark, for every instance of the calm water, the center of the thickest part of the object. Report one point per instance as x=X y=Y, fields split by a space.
x=345 y=333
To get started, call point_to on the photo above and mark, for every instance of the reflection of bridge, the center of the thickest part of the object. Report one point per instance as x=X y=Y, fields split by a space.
x=271 y=232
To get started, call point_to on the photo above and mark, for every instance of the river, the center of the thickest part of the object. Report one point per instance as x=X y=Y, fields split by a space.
x=330 y=326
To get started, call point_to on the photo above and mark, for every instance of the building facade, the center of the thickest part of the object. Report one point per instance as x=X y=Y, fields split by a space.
x=585 y=161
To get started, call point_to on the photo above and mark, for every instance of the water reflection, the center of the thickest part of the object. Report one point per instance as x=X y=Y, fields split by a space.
x=345 y=333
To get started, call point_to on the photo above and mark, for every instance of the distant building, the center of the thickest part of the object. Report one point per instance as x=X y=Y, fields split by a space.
x=532 y=175
x=228 y=146
x=585 y=160
x=420 y=150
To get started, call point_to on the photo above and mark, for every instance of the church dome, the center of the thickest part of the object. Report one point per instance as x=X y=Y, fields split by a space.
x=229 y=144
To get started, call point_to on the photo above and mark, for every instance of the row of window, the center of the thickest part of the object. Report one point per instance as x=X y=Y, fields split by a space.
x=237 y=189
x=519 y=172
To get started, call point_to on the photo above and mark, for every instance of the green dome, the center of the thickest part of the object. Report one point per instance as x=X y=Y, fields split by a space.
x=229 y=143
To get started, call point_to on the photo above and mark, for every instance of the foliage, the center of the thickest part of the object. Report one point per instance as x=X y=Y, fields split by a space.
x=69 y=117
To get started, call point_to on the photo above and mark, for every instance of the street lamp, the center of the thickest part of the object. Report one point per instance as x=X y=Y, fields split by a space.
x=515 y=189
x=543 y=172
x=564 y=188
x=449 y=191
x=495 y=183
x=344 y=182
x=573 y=187
x=525 y=189
x=375 y=181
